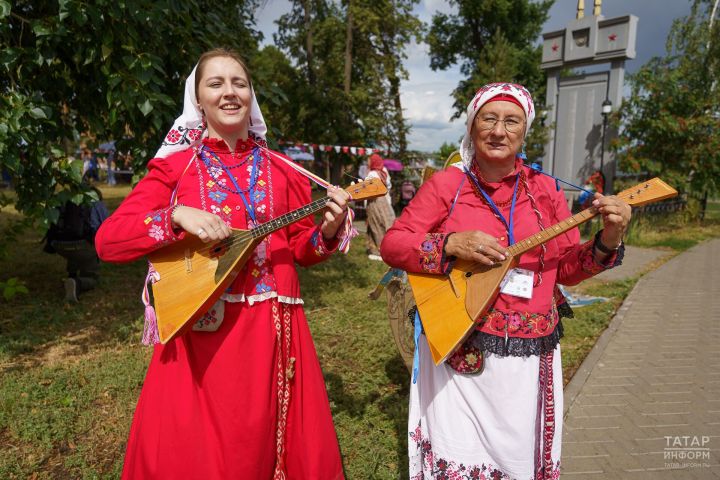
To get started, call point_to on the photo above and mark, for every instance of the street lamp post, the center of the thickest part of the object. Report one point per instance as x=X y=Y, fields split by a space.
x=606 y=109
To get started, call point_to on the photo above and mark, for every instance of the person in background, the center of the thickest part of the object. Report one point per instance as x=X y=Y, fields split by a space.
x=241 y=395
x=494 y=408
x=111 y=167
x=407 y=192
x=380 y=214
x=72 y=237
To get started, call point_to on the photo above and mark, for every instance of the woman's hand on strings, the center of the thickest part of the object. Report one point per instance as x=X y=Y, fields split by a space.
x=335 y=212
x=615 y=216
x=476 y=246
x=206 y=226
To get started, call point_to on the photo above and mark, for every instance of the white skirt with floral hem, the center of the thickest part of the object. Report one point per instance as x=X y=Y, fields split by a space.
x=485 y=426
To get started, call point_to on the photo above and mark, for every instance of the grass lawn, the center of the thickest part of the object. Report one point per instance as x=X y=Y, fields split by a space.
x=71 y=374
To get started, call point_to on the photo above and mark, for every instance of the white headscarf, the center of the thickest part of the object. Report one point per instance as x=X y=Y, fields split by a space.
x=518 y=92
x=187 y=130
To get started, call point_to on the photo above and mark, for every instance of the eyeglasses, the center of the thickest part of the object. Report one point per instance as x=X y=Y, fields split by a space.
x=512 y=125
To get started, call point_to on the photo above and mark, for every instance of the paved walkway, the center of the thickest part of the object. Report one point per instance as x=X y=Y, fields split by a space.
x=645 y=404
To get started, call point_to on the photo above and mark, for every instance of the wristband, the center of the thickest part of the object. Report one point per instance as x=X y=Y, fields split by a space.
x=602 y=248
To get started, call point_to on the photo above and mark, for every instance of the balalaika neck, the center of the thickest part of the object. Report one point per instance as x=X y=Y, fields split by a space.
x=282 y=221
x=552 y=232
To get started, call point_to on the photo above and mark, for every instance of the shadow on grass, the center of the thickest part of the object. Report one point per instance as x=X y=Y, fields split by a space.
x=31 y=322
x=394 y=405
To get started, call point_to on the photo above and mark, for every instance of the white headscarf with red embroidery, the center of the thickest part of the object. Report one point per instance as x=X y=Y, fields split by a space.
x=187 y=130
x=518 y=92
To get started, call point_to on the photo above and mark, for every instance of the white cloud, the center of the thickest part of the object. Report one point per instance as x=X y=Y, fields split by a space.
x=425 y=96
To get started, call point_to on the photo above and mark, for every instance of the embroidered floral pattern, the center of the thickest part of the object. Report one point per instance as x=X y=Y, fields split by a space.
x=159 y=227
x=156 y=232
x=211 y=321
x=431 y=252
x=438 y=468
x=318 y=243
x=217 y=196
x=182 y=136
x=466 y=359
x=519 y=324
x=590 y=265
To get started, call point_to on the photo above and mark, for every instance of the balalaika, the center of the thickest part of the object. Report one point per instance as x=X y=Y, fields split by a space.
x=194 y=274
x=450 y=305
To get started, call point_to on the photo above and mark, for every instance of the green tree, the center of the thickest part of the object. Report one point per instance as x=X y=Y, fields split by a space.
x=349 y=57
x=444 y=152
x=384 y=29
x=670 y=124
x=104 y=69
x=493 y=41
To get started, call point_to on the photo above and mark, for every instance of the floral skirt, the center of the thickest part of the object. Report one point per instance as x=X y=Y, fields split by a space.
x=504 y=423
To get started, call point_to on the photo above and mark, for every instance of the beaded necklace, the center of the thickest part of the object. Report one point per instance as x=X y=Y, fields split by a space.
x=522 y=186
x=215 y=174
x=481 y=179
x=215 y=166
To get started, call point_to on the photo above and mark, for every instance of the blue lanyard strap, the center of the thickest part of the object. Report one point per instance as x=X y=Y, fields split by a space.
x=538 y=169
x=248 y=202
x=509 y=222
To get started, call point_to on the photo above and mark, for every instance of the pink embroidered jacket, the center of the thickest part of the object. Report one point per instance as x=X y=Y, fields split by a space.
x=415 y=242
x=142 y=222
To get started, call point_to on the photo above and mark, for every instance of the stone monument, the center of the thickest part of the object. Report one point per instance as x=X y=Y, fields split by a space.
x=578 y=105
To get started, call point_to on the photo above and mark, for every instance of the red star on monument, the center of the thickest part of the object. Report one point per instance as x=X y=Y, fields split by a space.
x=612 y=37
x=555 y=47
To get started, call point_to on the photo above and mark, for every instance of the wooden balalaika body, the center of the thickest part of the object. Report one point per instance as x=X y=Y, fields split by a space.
x=193 y=274
x=451 y=305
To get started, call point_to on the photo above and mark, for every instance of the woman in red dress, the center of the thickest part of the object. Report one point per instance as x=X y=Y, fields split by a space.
x=242 y=394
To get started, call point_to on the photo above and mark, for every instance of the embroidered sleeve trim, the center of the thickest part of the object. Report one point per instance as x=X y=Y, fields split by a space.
x=320 y=247
x=159 y=225
x=432 y=258
x=591 y=266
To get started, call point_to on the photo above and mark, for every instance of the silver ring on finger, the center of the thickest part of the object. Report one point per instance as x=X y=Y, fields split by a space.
x=480 y=248
x=200 y=231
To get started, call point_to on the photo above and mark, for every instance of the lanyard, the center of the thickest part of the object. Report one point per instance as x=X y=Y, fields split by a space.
x=250 y=201
x=509 y=222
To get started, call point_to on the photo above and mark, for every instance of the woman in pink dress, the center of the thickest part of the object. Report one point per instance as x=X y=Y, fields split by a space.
x=242 y=394
x=380 y=214
x=493 y=410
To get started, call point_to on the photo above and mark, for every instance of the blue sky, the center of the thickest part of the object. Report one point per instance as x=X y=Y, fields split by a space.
x=426 y=94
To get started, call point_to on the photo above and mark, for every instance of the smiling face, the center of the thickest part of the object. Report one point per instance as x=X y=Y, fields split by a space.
x=497 y=146
x=225 y=98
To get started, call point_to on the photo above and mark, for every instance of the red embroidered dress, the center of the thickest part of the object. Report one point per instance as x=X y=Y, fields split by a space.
x=241 y=395
x=427 y=224
x=501 y=423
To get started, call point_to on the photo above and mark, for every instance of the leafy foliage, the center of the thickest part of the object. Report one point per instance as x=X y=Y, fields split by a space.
x=12 y=287
x=348 y=61
x=671 y=121
x=493 y=41
x=101 y=69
